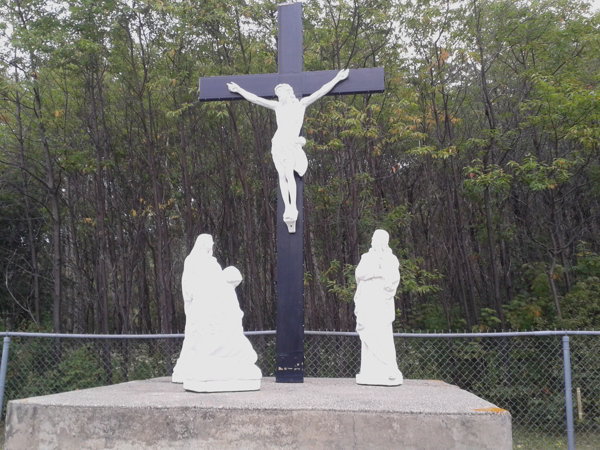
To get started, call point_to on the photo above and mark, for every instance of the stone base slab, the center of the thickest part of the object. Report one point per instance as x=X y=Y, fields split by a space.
x=378 y=380
x=222 y=386
x=317 y=414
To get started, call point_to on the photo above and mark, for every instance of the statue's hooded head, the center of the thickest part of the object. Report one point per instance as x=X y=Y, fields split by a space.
x=285 y=93
x=202 y=248
x=204 y=245
x=380 y=240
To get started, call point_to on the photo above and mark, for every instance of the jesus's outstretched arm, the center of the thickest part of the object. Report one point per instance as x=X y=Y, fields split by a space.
x=252 y=98
x=341 y=75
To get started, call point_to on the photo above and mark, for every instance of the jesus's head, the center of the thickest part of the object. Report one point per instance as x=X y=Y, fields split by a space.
x=285 y=93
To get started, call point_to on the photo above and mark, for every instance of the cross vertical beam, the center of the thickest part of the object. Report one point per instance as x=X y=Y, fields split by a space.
x=290 y=39
x=289 y=347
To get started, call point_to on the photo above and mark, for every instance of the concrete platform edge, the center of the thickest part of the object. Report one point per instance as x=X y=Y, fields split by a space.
x=35 y=425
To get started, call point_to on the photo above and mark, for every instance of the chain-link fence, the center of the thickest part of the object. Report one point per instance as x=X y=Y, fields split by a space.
x=523 y=373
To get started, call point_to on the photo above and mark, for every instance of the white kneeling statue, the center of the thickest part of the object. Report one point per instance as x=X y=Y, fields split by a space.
x=377 y=277
x=216 y=356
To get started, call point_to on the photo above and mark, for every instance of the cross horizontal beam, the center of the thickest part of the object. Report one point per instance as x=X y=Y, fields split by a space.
x=360 y=81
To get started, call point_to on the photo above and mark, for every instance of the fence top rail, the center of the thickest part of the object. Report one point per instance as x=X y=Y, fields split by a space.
x=499 y=334
x=311 y=333
x=114 y=336
x=90 y=336
x=467 y=335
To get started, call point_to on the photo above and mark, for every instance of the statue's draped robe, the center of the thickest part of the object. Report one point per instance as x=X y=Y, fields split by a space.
x=377 y=277
x=190 y=269
x=215 y=347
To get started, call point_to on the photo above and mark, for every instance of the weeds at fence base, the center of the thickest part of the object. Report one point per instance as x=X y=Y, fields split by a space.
x=524 y=439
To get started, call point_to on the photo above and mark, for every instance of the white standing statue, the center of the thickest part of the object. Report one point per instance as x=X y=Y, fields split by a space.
x=287 y=143
x=216 y=356
x=377 y=277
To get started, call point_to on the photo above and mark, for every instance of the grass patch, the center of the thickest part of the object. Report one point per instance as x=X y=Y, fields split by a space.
x=524 y=439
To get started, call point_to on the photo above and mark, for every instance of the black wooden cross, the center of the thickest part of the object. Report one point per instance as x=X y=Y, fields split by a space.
x=290 y=248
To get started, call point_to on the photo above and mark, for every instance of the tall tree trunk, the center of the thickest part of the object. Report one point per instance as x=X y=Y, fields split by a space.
x=492 y=252
x=553 y=254
x=491 y=116
x=256 y=293
x=353 y=222
x=54 y=193
x=187 y=195
x=30 y=228
x=80 y=301
x=506 y=266
x=462 y=247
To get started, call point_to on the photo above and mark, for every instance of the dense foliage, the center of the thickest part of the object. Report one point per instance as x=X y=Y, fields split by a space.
x=481 y=160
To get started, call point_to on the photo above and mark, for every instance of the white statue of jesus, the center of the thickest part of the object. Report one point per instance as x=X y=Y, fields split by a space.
x=287 y=143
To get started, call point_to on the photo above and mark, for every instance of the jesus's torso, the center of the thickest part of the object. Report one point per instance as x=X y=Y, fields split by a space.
x=289 y=120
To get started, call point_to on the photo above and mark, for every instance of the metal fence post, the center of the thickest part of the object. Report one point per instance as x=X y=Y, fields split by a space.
x=568 y=393
x=3 y=370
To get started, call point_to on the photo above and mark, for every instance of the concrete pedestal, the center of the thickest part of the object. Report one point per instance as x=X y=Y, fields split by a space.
x=318 y=414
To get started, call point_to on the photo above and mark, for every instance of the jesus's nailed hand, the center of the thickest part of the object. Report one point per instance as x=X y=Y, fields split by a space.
x=233 y=87
x=342 y=74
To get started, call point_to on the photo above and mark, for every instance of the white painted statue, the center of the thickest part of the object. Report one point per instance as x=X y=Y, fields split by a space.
x=377 y=277
x=216 y=356
x=287 y=143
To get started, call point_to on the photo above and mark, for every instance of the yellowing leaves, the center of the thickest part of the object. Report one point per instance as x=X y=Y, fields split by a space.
x=166 y=205
x=444 y=55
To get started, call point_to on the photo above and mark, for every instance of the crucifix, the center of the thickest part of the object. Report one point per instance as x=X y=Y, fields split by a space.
x=290 y=81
